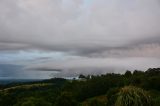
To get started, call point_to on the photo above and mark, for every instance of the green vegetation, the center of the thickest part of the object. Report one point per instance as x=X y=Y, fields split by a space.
x=133 y=96
x=138 y=88
x=31 y=101
x=65 y=99
x=96 y=101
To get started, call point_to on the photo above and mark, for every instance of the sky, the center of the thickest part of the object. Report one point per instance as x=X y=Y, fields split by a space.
x=42 y=39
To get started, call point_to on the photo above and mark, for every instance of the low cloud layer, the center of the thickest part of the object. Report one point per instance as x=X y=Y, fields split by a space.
x=76 y=66
x=88 y=35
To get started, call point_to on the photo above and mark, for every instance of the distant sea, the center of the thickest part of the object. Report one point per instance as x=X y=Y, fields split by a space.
x=8 y=81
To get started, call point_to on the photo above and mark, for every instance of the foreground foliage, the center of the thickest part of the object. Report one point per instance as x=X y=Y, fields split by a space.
x=133 y=96
x=138 y=88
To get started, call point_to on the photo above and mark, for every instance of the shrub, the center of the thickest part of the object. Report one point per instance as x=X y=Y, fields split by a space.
x=96 y=101
x=32 y=101
x=65 y=99
x=133 y=96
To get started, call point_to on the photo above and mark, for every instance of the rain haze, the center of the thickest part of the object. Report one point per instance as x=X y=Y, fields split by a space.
x=41 y=39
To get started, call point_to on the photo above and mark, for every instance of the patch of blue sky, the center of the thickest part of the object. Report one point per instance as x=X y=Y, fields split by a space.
x=87 y=2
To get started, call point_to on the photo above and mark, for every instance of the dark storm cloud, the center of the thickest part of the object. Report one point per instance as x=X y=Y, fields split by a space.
x=45 y=69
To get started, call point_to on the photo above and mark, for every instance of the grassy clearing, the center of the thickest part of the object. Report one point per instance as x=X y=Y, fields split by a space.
x=28 y=86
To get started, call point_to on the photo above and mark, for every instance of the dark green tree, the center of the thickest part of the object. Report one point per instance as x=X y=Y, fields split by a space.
x=128 y=74
x=82 y=76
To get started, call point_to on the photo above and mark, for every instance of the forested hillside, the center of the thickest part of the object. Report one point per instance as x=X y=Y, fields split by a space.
x=138 y=88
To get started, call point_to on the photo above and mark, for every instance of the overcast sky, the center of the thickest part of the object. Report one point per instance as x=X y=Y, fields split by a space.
x=65 y=38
